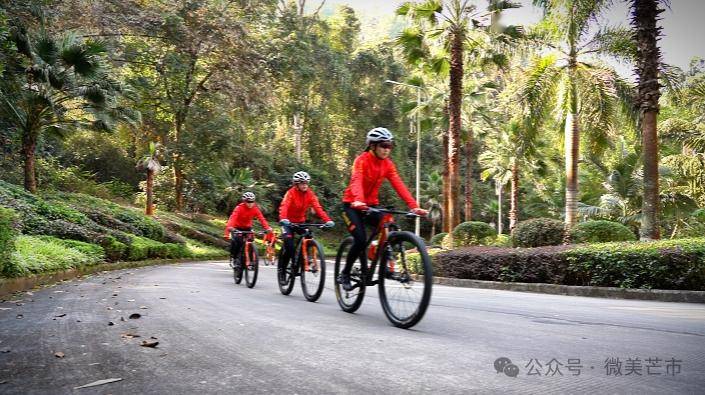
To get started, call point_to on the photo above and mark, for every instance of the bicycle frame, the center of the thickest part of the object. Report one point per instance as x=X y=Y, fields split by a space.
x=386 y=224
x=302 y=244
x=248 y=237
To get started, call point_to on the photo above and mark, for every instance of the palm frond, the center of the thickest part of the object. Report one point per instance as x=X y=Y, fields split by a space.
x=615 y=42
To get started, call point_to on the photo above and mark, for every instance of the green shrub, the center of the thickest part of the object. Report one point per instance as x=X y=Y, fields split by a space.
x=39 y=255
x=8 y=233
x=538 y=232
x=437 y=239
x=143 y=248
x=600 y=232
x=57 y=211
x=114 y=249
x=501 y=241
x=666 y=264
x=472 y=233
x=94 y=252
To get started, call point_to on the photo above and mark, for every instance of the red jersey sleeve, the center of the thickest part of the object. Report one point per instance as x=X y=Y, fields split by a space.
x=318 y=208
x=356 y=181
x=261 y=218
x=398 y=184
x=284 y=206
x=231 y=222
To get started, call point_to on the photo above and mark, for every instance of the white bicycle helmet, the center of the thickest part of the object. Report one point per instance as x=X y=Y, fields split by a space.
x=301 y=176
x=248 y=197
x=378 y=135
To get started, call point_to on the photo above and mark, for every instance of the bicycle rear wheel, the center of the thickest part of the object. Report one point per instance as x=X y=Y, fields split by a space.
x=351 y=300
x=406 y=278
x=252 y=270
x=286 y=275
x=313 y=272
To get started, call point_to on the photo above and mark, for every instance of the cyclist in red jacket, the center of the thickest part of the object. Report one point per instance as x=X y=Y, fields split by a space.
x=370 y=169
x=241 y=219
x=297 y=201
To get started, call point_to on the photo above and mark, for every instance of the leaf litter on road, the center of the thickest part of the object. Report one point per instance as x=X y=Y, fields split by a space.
x=99 y=382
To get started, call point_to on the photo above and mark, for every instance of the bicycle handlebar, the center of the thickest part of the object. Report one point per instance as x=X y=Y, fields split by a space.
x=307 y=225
x=407 y=214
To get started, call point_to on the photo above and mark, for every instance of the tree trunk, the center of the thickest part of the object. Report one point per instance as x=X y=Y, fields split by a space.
x=298 y=130
x=29 y=146
x=178 y=172
x=454 y=114
x=446 y=185
x=644 y=16
x=514 y=199
x=500 y=224
x=468 y=178
x=149 y=210
x=572 y=150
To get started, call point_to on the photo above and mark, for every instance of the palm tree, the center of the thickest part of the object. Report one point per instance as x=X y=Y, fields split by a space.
x=60 y=84
x=150 y=164
x=644 y=15
x=449 y=22
x=586 y=93
x=432 y=189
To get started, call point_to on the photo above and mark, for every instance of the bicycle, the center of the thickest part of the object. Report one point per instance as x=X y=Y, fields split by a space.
x=270 y=250
x=248 y=256
x=405 y=273
x=308 y=262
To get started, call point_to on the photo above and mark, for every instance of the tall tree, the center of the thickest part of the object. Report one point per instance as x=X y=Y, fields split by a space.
x=57 y=85
x=450 y=22
x=198 y=51
x=585 y=92
x=644 y=21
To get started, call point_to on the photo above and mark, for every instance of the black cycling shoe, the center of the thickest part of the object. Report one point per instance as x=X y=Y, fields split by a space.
x=344 y=280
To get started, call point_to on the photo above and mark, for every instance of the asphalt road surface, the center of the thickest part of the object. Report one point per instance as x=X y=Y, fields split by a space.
x=216 y=337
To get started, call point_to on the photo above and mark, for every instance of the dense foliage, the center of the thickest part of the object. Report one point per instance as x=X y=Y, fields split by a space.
x=667 y=264
x=538 y=232
x=600 y=232
x=188 y=104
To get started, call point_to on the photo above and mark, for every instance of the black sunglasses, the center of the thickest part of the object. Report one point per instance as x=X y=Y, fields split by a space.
x=386 y=145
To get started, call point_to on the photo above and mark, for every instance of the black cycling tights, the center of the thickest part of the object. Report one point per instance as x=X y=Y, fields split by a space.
x=237 y=242
x=355 y=221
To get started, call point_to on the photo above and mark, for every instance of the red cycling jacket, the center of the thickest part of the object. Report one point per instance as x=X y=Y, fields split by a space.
x=242 y=218
x=296 y=204
x=367 y=175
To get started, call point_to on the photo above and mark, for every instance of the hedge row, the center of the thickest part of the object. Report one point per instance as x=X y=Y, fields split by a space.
x=668 y=264
x=8 y=232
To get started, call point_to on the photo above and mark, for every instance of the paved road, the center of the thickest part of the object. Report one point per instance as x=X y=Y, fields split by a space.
x=215 y=337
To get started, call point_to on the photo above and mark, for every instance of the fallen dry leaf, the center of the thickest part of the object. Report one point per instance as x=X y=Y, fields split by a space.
x=146 y=343
x=99 y=382
x=60 y=315
x=144 y=307
x=59 y=354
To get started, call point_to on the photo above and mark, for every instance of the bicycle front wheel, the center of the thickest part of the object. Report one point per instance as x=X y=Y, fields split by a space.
x=237 y=270
x=351 y=300
x=313 y=273
x=252 y=269
x=405 y=280
x=286 y=275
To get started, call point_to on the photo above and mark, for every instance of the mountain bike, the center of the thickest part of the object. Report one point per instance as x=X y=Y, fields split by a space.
x=247 y=263
x=308 y=262
x=405 y=274
x=270 y=250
